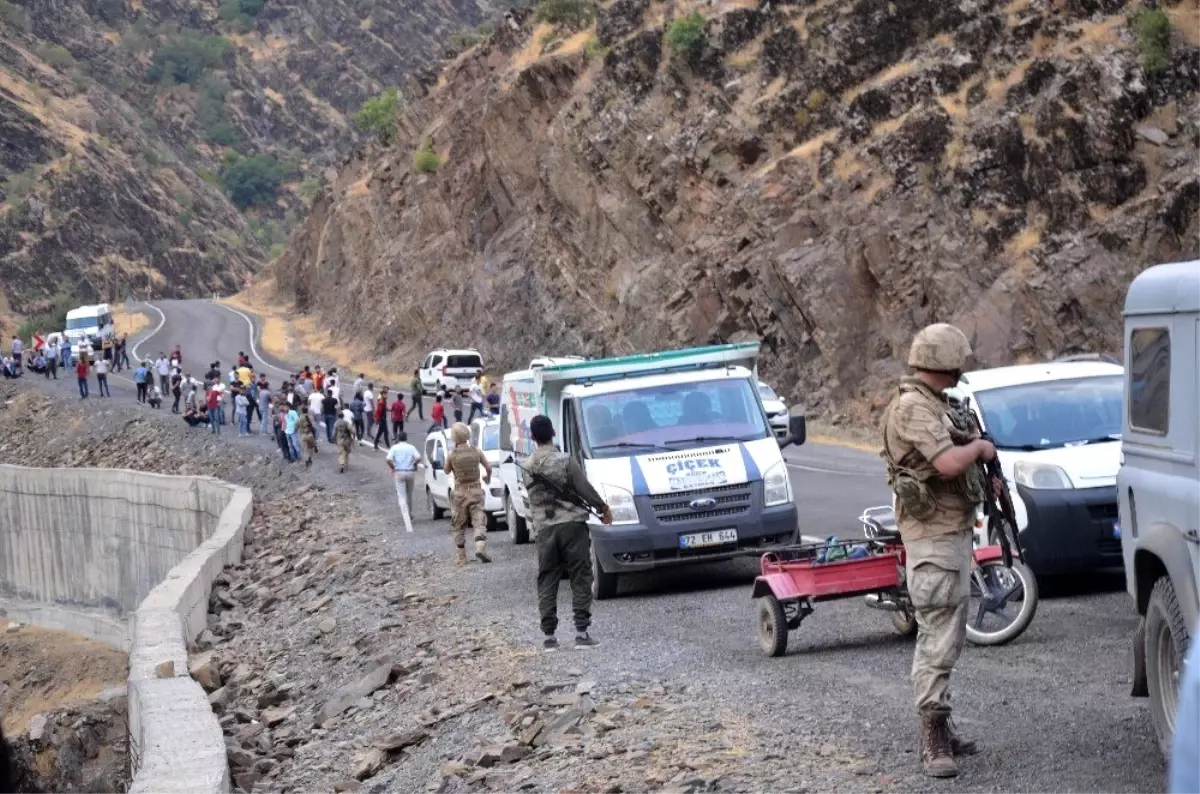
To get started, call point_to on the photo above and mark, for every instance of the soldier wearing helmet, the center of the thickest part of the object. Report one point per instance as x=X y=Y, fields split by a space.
x=931 y=468
x=464 y=462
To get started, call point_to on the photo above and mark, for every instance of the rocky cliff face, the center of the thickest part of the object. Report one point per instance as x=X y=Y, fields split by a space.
x=120 y=120
x=825 y=176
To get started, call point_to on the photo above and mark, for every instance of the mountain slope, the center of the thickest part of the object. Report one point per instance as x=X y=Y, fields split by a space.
x=167 y=146
x=828 y=177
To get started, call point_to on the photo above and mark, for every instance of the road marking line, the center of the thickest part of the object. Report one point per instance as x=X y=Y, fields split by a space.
x=253 y=347
x=820 y=470
x=162 y=320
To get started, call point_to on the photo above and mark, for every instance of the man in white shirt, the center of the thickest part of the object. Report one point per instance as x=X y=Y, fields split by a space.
x=476 y=393
x=369 y=408
x=162 y=365
x=51 y=353
x=403 y=459
x=102 y=366
x=314 y=408
x=358 y=383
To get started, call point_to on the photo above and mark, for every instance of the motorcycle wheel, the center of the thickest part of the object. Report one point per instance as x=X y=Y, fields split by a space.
x=1002 y=603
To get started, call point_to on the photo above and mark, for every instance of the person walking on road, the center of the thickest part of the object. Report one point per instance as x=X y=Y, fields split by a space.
x=369 y=408
x=456 y=402
x=176 y=390
x=381 y=421
x=403 y=460
x=81 y=373
x=264 y=405
x=931 y=461
x=438 y=414
x=291 y=429
x=213 y=402
x=343 y=436
x=359 y=382
x=329 y=410
x=162 y=365
x=241 y=410
x=356 y=410
x=102 y=367
x=123 y=352
x=417 y=392
x=398 y=415
x=51 y=361
x=141 y=376
x=65 y=353
x=477 y=399
x=563 y=539
x=308 y=438
x=464 y=462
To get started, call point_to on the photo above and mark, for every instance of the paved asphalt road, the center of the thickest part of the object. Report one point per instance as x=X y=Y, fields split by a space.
x=1051 y=710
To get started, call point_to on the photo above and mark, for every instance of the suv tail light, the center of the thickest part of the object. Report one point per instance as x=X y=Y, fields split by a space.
x=443 y=372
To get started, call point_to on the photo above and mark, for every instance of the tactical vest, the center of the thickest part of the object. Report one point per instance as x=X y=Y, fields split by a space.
x=546 y=508
x=916 y=481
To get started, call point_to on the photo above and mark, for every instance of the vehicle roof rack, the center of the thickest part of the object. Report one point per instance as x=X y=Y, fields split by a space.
x=1090 y=357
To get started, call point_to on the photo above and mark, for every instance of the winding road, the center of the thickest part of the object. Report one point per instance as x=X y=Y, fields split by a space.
x=1052 y=710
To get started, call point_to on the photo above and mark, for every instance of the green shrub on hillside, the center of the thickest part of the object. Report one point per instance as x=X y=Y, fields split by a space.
x=425 y=159
x=252 y=181
x=574 y=14
x=687 y=36
x=187 y=58
x=594 y=49
x=1153 y=29
x=13 y=16
x=52 y=319
x=378 y=115
x=56 y=55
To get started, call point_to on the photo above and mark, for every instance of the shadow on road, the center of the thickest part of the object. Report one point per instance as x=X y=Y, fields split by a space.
x=692 y=578
x=1079 y=584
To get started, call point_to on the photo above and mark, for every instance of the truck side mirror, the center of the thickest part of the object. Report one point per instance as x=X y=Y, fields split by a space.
x=797 y=431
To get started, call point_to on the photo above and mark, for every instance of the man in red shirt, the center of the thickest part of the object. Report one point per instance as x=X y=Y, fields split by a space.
x=398 y=415
x=381 y=417
x=437 y=414
x=81 y=371
x=214 y=402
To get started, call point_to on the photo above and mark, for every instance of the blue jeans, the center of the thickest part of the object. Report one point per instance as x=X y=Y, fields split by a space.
x=243 y=424
x=220 y=414
x=294 y=445
x=214 y=414
x=264 y=417
x=102 y=385
x=83 y=387
x=330 y=421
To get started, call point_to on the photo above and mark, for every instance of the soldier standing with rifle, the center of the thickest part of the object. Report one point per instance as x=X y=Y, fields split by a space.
x=932 y=458
x=560 y=499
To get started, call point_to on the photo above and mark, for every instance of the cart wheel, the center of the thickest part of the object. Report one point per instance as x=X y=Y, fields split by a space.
x=904 y=622
x=772 y=626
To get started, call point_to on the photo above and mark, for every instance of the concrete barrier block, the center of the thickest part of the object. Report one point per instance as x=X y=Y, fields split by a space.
x=177 y=741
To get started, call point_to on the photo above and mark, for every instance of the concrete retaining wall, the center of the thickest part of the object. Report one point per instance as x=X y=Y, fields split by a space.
x=129 y=558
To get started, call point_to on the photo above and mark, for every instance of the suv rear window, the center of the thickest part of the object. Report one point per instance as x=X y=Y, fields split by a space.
x=1149 y=380
x=465 y=361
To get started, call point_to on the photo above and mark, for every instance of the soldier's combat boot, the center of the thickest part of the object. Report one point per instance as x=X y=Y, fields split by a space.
x=959 y=745
x=462 y=556
x=936 y=756
x=481 y=551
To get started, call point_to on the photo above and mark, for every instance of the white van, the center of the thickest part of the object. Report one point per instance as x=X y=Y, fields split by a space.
x=677 y=443
x=89 y=325
x=1159 y=481
x=450 y=369
x=1057 y=427
x=439 y=486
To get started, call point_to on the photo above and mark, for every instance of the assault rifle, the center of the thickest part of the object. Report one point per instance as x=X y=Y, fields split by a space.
x=565 y=492
x=997 y=501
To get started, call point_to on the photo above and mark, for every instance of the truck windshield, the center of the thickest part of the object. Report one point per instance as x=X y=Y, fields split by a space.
x=80 y=323
x=671 y=417
x=1052 y=414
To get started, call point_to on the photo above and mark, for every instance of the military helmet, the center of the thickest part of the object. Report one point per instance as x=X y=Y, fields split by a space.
x=939 y=348
x=460 y=433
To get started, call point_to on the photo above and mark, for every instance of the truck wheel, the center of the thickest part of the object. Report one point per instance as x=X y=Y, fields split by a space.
x=604 y=584
x=772 y=626
x=518 y=529
x=438 y=512
x=1166 y=646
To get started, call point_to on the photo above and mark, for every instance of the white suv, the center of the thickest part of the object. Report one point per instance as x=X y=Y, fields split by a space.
x=451 y=369
x=1057 y=427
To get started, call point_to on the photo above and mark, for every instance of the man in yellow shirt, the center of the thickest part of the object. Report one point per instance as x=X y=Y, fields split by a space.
x=245 y=375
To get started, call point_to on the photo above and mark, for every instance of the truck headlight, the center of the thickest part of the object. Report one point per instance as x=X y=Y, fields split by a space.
x=1040 y=476
x=620 y=501
x=497 y=491
x=776 y=488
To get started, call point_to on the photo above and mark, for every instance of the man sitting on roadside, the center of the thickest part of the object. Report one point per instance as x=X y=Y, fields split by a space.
x=195 y=417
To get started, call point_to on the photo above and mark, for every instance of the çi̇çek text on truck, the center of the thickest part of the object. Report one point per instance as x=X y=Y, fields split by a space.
x=678 y=445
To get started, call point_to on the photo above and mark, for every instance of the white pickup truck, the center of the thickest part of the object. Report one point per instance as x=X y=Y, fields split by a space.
x=677 y=443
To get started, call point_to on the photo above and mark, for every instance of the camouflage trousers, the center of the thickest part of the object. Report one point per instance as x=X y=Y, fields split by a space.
x=468 y=505
x=564 y=548
x=939 y=579
x=343 y=455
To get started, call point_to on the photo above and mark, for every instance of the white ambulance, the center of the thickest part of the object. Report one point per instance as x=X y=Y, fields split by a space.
x=677 y=443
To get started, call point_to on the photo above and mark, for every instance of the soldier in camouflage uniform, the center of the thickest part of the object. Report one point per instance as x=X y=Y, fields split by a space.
x=464 y=462
x=562 y=532
x=931 y=454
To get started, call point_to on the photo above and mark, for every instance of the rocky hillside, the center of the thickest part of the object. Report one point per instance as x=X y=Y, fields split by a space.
x=167 y=146
x=826 y=176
